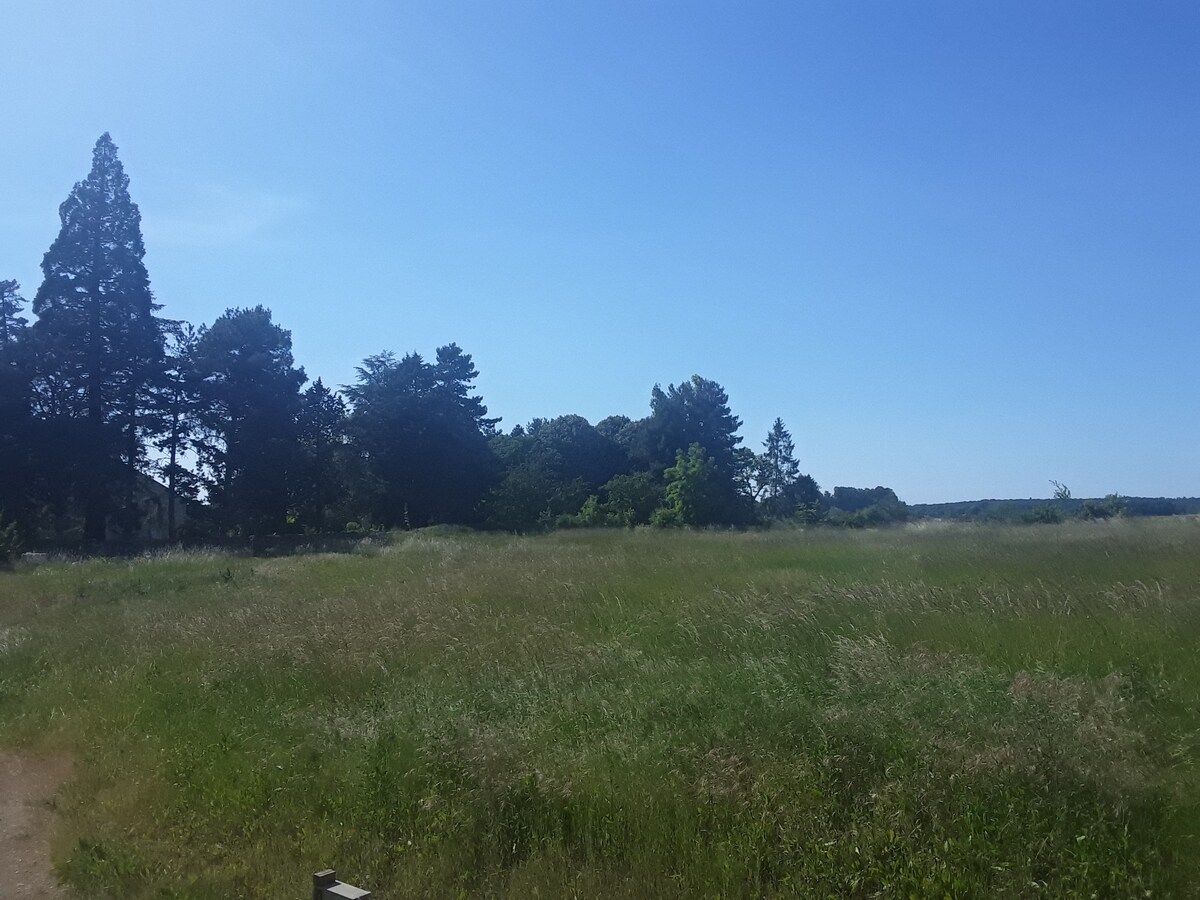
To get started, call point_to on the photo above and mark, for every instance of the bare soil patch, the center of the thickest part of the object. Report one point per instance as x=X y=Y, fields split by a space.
x=28 y=785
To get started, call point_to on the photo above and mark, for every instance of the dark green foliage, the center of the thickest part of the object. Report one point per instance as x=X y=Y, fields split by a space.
x=93 y=386
x=1045 y=514
x=864 y=507
x=528 y=498
x=323 y=468
x=634 y=438
x=780 y=468
x=1161 y=506
x=570 y=448
x=613 y=426
x=695 y=412
x=1057 y=510
x=423 y=436
x=565 y=462
x=695 y=490
x=176 y=410
x=97 y=342
x=12 y=323
x=1111 y=505
x=631 y=499
x=782 y=491
x=552 y=466
x=871 y=516
x=625 y=501
x=15 y=417
x=249 y=394
x=852 y=499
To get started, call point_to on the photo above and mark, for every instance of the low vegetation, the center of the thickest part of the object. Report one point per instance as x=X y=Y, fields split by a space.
x=923 y=711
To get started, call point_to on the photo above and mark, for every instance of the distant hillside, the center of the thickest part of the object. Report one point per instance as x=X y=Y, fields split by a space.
x=1014 y=509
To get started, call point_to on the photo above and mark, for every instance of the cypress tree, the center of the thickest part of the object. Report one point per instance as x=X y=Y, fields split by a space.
x=98 y=341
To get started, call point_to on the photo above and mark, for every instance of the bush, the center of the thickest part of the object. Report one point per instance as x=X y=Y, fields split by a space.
x=1042 y=515
x=631 y=499
x=869 y=517
x=1112 y=505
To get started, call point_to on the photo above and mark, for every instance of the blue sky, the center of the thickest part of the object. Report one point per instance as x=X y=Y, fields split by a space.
x=955 y=246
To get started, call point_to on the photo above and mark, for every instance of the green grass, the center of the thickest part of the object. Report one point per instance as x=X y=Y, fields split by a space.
x=967 y=711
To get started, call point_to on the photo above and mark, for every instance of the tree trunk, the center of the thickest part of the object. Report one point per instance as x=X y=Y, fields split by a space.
x=172 y=473
x=95 y=501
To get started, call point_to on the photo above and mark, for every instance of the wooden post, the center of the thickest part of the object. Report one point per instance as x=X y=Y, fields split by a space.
x=323 y=879
x=327 y=887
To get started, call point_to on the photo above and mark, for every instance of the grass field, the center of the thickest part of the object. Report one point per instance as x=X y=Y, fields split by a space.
x=966 y=711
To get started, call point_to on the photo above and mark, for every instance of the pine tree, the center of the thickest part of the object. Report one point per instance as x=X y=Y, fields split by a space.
x=175 y=417
x=14 y=402
x=424 y=437
x=697 y=412
x=780 y=468
x=249 y=401
x=97 y=339
x=12 y=324
x=321 y=429
x=783 y=491
x=14 y=389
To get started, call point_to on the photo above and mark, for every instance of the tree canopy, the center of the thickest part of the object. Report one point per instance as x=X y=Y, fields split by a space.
x=249 y=392
x=100 y=396
x=423 y=437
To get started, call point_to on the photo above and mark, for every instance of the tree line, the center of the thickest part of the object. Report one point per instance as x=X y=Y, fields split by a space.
x=104 y=400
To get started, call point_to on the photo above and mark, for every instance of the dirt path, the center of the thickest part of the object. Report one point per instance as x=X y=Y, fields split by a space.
x=27 y=788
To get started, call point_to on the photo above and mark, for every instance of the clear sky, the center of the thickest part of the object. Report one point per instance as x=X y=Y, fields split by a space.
x=954 y=245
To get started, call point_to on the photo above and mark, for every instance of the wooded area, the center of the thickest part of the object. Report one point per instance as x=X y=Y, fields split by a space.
x=119 y=423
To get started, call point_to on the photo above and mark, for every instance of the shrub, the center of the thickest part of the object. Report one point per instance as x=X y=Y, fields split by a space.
x=869 y=517
x=1112 y=505
x=1042 y=515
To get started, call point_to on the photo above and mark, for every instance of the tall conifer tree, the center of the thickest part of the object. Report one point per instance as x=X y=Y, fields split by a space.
x=424 y=436
x=12 y=324
x=174 y=417
x=14 y=389
x=249 y=400
x=780 y=468
x=14 y=402
x=98 y=341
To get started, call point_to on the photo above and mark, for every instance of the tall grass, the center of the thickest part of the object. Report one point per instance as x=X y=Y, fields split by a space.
x=967 y=711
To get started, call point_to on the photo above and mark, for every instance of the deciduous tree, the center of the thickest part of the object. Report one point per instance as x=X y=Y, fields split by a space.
x=695 y=492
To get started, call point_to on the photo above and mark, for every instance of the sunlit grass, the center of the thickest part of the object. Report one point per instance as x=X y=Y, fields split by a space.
x=969 y=711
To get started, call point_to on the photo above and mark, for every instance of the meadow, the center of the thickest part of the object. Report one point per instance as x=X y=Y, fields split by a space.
x=965 y=711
